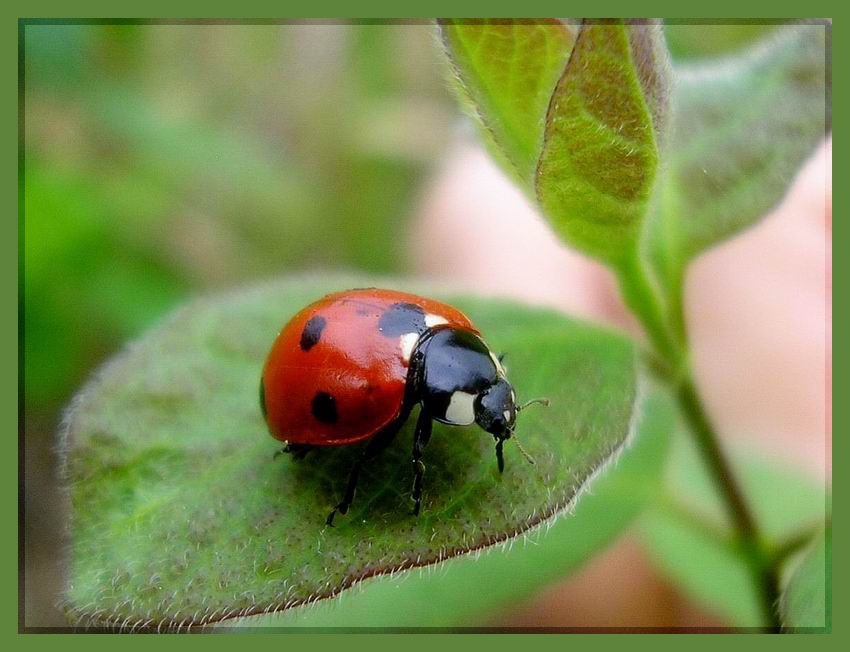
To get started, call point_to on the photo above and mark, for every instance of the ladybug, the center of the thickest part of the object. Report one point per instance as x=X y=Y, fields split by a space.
x=351 y=367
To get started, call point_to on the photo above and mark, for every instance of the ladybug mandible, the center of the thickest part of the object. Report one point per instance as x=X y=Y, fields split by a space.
x=351 y=366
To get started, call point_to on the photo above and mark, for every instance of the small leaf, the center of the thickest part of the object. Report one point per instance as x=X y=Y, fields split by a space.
x=689 y=535
x=806 y=604
x=689 y=40
x=507 y=71
x=604 y=128
x=743 y=127
x=180 y=515
x=506 y=575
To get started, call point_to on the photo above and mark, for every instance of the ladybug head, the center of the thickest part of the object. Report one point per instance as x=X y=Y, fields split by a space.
x=495 y=412
x=495 y=409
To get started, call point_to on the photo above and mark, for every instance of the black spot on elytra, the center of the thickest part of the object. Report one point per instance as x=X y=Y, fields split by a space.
x=324 y=407
x=263 y=398
x=312 y=332
x=402 y=318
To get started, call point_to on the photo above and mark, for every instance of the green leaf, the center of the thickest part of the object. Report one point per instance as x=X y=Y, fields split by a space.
x=604 y=128
x=806 y=604
x=507 y=71
x=180 y=515
x=505 y=575
x=688 y=40
x=743 y=126
x=690 y=537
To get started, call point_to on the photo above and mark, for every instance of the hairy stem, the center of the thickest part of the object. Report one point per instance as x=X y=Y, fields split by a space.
x=642 y=299
x=668 y=336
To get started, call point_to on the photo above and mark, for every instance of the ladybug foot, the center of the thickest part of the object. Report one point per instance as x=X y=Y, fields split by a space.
x=298 y=451
x=342 y=508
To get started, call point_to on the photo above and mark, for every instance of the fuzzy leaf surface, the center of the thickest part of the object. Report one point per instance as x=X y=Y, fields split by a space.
x=743 y=125
x=604 y=129
x=507 y=71
x=508 y=574
x=180 y=515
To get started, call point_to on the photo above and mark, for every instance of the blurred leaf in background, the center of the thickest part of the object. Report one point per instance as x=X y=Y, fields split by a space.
x=744 y=125
x=713 y=38
x=163 y=159
x=688 y=533
x=807 y=602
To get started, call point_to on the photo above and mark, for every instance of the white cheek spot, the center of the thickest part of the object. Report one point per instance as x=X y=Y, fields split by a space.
x=461 y=411
x=507 y=415
x=408 y=341
x=434 y=320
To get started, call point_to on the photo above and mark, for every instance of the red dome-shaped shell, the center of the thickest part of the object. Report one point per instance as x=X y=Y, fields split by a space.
x=336 y=373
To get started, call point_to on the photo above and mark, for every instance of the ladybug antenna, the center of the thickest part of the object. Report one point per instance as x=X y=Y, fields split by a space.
x=524 y=452
x=542 y=401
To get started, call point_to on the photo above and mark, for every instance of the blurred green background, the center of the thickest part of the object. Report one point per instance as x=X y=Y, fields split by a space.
x=166 y=160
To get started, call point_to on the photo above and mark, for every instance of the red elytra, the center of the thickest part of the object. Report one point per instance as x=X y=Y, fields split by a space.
x=336 y=374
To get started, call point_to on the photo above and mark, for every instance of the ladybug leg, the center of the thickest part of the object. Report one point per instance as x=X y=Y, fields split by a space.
x=378 y=443
x=298 y=451
x=421 y=438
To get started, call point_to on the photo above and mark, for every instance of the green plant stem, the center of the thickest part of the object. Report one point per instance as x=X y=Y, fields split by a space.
x=668 y=336
x=642 y=299
x=764 y=571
